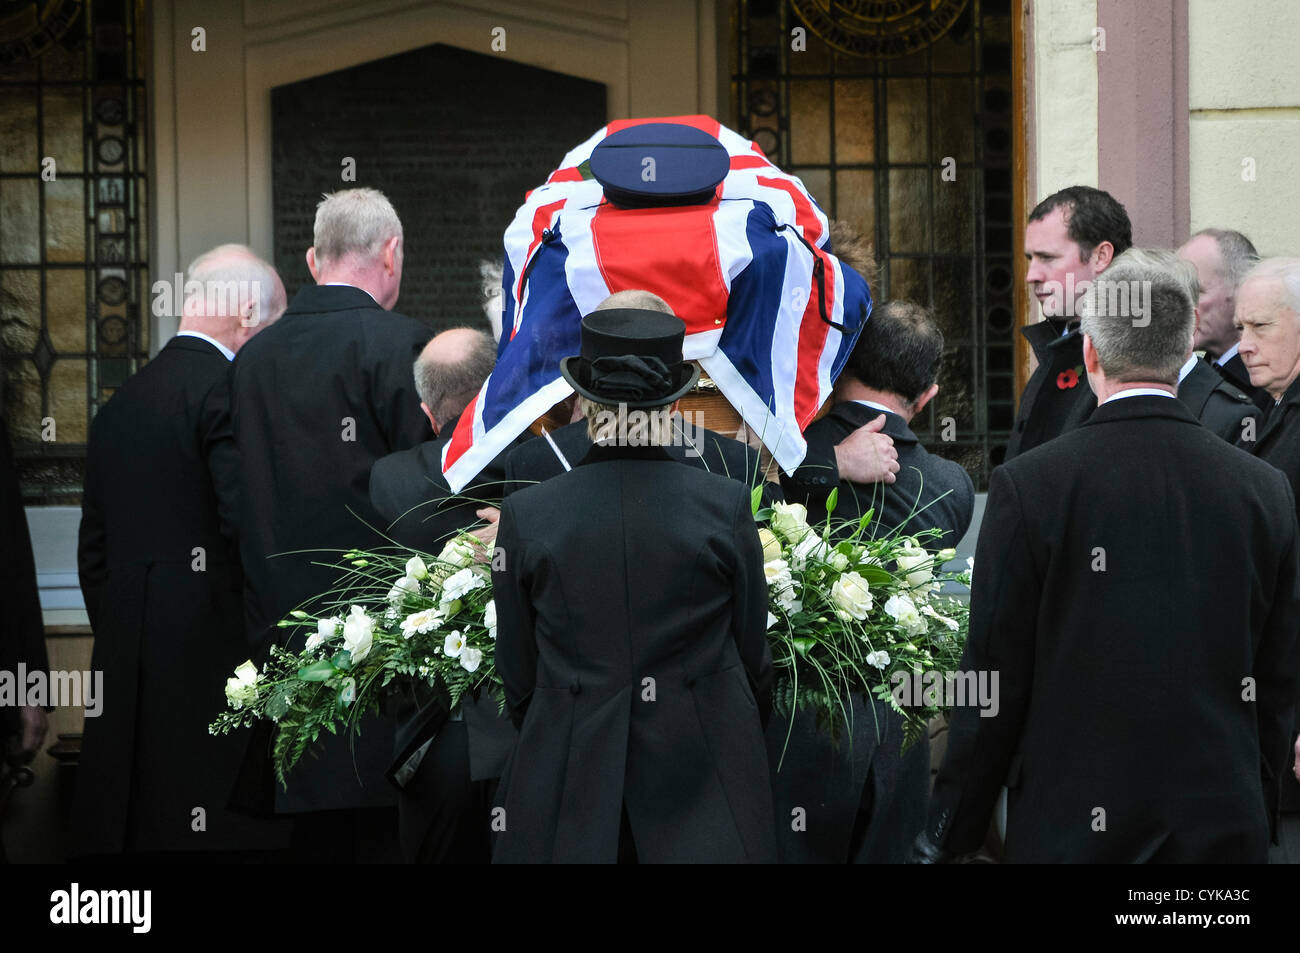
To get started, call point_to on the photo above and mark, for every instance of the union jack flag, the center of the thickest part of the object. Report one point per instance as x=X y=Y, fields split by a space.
x=771 y=315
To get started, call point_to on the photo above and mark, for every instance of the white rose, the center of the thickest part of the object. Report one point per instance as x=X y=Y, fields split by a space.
x=771 y=545
x=781 y=584
x=810 y=548
x=453 y=644
x=358 y=633
x=490 y=618
x=241 y=689
x=416 y=569
x=927 y=609
x=916 y=565
x=903 y=610
x=790 y=520
x=458 y=553
x=423 y=621
x=404 y=586
x=839 y=562
x=878 y=659
x=470 y=659
x=945 y=555
x=461 y=582
x=851 y=597
x=325 y=629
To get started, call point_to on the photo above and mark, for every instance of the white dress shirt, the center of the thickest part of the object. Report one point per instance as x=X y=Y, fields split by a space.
x=227 y=352
x=1138 y=392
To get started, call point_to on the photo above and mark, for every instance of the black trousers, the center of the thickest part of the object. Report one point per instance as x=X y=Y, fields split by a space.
x=443 y=816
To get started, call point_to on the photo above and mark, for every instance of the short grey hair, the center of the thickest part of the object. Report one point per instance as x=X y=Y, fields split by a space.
x=1181 y=268
x=354 y=222
x=640 y=300
x=446 y=388
x=616 y=424
x=1284 y=270
x=1140 y=318
x=219 y=268
x=1236 y=250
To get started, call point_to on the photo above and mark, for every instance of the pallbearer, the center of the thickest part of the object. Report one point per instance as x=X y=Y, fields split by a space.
x=631 y=613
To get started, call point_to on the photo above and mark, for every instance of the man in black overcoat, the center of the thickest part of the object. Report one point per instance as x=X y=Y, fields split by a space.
x=1268 y=319
x=865 y=801
x=1215 y=401
x=446 y=762
x=161 y=579
x=631 y=610
x=317 y=399
x=1072 y=237
x=1141 y=717
x=1222 y=257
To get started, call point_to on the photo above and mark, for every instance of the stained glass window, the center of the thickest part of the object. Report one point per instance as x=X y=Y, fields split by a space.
x=869 y=137
x=74 y=291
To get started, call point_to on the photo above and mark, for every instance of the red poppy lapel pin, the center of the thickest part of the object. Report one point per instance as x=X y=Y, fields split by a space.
x=1068 y=378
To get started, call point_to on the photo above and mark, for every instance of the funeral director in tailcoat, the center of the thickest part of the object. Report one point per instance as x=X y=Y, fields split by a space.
x=631 y=614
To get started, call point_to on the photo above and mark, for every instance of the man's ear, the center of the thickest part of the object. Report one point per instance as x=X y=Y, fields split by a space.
x=390 y=255
x=1101 y=257
x=429 y=413
x=311 y=264
x=925 y=399
x=1090 y=362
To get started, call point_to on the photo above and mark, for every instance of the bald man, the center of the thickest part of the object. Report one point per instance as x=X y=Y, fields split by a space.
x=446 y=762
x=161 y=579
x=407 y=488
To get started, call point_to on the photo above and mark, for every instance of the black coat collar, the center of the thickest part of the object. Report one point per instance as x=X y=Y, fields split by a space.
x=603 y=454
x=187 y=342
x=1142 y=406
x=1048 y=334
x=319 y=299
x=855 y=415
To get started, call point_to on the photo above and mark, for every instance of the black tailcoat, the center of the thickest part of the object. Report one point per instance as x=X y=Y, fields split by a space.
x=1057 y=397
x=23 y=636
x=1121 y=671
x=319 y=396
x=533 y=461
x=164 y=595
x=865 y=801
x=1278 y=443
x=1217 y=404
x=633 y=567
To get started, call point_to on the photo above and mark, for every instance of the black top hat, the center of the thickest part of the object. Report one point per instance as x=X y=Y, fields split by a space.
x=630 y=356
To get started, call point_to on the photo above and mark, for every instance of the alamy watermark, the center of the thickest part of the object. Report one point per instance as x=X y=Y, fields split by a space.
x=54 y=689
x=1114 y=299
x=219 y=297
x=950 y=689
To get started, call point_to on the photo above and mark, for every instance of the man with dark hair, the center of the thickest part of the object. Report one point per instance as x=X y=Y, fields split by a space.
x=893 y=370
x=1125 y=731
x=1222 y=257
x=865 y=802
x=1072 y=236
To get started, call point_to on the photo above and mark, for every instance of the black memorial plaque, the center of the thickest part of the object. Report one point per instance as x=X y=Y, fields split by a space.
x=453 y=138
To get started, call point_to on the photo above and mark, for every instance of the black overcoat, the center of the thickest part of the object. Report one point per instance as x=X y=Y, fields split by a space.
x=163 y=592
x=1144 y=713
